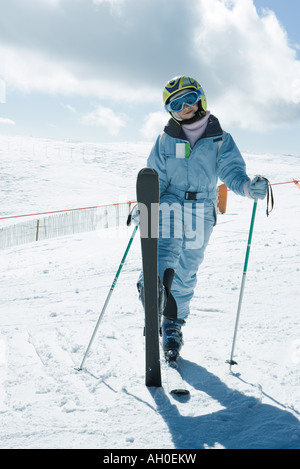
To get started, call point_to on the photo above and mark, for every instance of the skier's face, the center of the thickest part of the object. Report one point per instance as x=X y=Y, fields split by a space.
x=188 y=111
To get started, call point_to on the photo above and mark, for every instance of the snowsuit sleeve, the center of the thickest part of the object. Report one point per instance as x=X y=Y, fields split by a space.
x=157 y=161
x=231 y=167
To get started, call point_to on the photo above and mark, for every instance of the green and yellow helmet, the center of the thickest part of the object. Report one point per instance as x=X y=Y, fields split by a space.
x=183 y=83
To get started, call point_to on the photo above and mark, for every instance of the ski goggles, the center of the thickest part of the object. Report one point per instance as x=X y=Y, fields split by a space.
x=189 y=99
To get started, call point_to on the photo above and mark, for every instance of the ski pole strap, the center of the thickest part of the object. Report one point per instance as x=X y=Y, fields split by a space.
x=133 y=216
x=270 y=197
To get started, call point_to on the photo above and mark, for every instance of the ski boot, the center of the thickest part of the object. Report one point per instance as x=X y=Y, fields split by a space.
x=172 y=338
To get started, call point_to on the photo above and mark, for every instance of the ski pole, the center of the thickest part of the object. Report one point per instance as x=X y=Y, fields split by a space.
x=231 y=361
x=108 y=296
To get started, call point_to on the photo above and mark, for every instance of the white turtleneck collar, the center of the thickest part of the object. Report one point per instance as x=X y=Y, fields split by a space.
x=195 y=130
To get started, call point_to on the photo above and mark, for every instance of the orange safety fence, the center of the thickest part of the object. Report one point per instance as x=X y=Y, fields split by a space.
x=297 y=183
x=223 y=191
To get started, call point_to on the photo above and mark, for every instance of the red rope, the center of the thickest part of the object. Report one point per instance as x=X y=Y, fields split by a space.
x=112 y=205
x=66 y=210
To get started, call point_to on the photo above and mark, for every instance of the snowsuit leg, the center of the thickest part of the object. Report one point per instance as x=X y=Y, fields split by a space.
x=171 y=237
x=191 y=224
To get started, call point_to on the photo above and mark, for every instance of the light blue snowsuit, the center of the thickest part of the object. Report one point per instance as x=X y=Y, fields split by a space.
x=185 y=173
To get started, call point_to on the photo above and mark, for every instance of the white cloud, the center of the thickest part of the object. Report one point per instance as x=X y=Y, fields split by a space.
x=81 y=48
x=115 y=5
x=50 y=3
x=70 y=108
x=2 y=91
x=296 y=91
x=244 y=61
x=154 y=124
x=30 y=70
x=106 y=118
x=110 y=2
x=253 y=72
x=5 y=121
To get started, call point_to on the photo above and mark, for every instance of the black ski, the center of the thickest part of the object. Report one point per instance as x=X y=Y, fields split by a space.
x=147 y=188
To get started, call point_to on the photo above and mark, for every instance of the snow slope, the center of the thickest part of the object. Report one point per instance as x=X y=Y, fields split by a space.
x=53 y=291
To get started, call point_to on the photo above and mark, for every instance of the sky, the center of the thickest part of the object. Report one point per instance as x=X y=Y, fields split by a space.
x=94 y=70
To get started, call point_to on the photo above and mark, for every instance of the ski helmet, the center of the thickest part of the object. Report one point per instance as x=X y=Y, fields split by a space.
x=180 y=83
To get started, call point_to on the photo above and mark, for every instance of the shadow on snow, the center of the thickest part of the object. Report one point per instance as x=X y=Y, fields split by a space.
x=243 y=422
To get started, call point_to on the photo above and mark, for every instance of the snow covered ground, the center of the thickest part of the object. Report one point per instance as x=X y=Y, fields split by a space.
x=53 y=291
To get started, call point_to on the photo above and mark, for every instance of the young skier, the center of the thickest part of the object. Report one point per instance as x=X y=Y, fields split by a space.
x=189 y=157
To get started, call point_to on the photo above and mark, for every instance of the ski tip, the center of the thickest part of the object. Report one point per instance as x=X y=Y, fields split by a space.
x=180 y=392
x=147 y=171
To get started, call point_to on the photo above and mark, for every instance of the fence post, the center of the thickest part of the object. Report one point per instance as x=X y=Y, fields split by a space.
x=37 y=229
